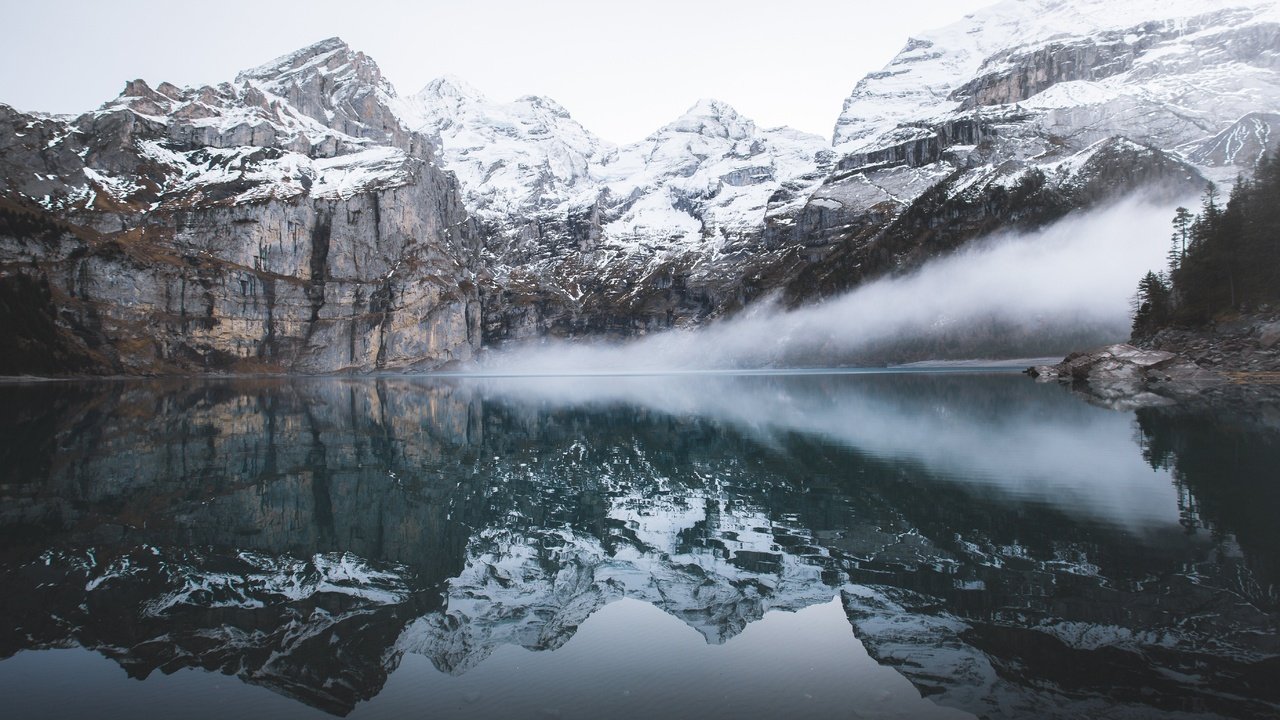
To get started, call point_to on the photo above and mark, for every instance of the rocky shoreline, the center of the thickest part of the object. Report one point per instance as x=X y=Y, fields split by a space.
x=1236 y=359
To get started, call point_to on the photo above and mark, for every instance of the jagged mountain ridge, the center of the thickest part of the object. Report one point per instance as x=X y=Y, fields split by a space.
x=527 y=155
x=703 y=177
x=571 y=220
x=980 y=110
x=225 y=195
x=286 y=222
x=1088 y=52
x=1031 y=87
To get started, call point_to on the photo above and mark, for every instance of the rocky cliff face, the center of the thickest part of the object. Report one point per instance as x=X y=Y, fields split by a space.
x=1008 y=120
x=584 y=237
x=286 y=222
x=301 y=217
x=1158 y=95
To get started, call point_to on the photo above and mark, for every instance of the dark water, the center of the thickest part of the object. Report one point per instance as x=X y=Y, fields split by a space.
x=871 y=545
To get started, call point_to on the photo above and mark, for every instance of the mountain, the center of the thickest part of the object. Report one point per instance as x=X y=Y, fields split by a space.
x=284 y=222
x=307 y=217
x=570 y=219
x=1030 y=88
x=1009 y=119
x=1081 y=69
x=525 y=156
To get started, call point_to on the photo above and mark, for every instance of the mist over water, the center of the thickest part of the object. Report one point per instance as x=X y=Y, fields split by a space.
x=1073 y=279
x=990 y=430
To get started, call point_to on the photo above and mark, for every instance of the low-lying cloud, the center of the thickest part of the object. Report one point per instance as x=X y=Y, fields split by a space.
x=1075 y=275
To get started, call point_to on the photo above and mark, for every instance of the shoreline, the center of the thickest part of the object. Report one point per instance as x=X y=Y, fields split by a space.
x=921 y=367
x=1234 y=359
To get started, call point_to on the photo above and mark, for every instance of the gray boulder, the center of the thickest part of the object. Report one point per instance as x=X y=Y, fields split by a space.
x=1125 y=376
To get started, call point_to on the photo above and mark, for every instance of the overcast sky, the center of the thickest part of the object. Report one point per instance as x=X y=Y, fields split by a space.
x=622 y=69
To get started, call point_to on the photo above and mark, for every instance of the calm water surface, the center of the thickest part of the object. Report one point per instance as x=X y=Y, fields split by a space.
x=903 y=545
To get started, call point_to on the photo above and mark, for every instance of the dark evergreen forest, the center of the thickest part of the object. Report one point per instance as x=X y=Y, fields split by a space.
x=1222 y=260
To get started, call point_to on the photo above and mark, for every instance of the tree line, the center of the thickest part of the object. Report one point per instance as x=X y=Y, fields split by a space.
x=1224 y=259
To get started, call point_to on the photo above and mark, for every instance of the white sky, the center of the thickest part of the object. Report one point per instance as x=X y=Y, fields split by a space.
x=622 y=69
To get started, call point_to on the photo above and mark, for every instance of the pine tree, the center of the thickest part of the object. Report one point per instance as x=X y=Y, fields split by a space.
x=1153 y=304
x=1182 y=219
x=1226 y=258
x=1209 y=206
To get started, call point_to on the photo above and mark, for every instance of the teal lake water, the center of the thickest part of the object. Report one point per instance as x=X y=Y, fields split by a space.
x=909 y=544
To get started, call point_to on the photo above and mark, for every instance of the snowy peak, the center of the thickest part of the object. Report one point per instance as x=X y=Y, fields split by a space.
x=299 y=58
x=451 y=98
x=441 y=103
x=451 y=88
x=323 y=100
x=1016 y=49
x=708 y=174
x=712 y=118
x=544 y=103
x=527 y=155
x=316 y=121
x=1038 y=81
x=330 y=58
x=333 y=85
x=706 y=181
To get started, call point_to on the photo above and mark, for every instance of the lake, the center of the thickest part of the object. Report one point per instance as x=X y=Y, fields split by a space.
x=909 y=544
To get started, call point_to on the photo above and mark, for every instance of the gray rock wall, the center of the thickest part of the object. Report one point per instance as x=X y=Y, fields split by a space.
x=384 y=279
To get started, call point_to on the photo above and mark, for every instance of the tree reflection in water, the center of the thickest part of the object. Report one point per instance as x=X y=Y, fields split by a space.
x=1005 y=547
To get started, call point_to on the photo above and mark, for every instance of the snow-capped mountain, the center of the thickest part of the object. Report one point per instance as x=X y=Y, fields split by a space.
x=286 y=221
x=1084 y=69
x=1070 y=73
x=565 y=211
x=707 y=175
x=315 y=122
x=298 y=218
x=705 y=178
x=1031 y=88
x=524 y=156
x=709 y=212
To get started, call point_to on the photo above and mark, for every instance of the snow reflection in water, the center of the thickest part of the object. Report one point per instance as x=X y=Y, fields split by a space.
x=633 y=545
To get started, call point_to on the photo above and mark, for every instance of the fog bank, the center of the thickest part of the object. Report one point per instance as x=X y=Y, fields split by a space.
x=1071 y=280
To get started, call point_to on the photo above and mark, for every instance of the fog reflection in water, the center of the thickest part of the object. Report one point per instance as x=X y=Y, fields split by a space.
x=1038 y=443
x=999 y=547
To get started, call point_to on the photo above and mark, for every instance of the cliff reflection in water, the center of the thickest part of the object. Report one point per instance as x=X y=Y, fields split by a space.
x=1010 y=550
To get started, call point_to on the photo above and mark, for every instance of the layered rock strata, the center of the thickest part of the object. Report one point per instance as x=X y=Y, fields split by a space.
x=285 y=223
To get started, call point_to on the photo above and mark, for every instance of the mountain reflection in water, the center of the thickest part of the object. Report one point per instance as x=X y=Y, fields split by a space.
x=1005 y=548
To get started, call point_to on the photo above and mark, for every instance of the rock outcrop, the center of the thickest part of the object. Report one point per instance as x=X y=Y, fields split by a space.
x=287 y=222
x=1228 y=361
x=1244 y=344
x=1126 y=376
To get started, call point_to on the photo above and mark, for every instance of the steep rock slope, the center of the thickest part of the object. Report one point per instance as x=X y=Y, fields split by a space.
x=1032 y=89
x=1009 y=119
x=1119 y=66
x=287 y=221
x=587 y=237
